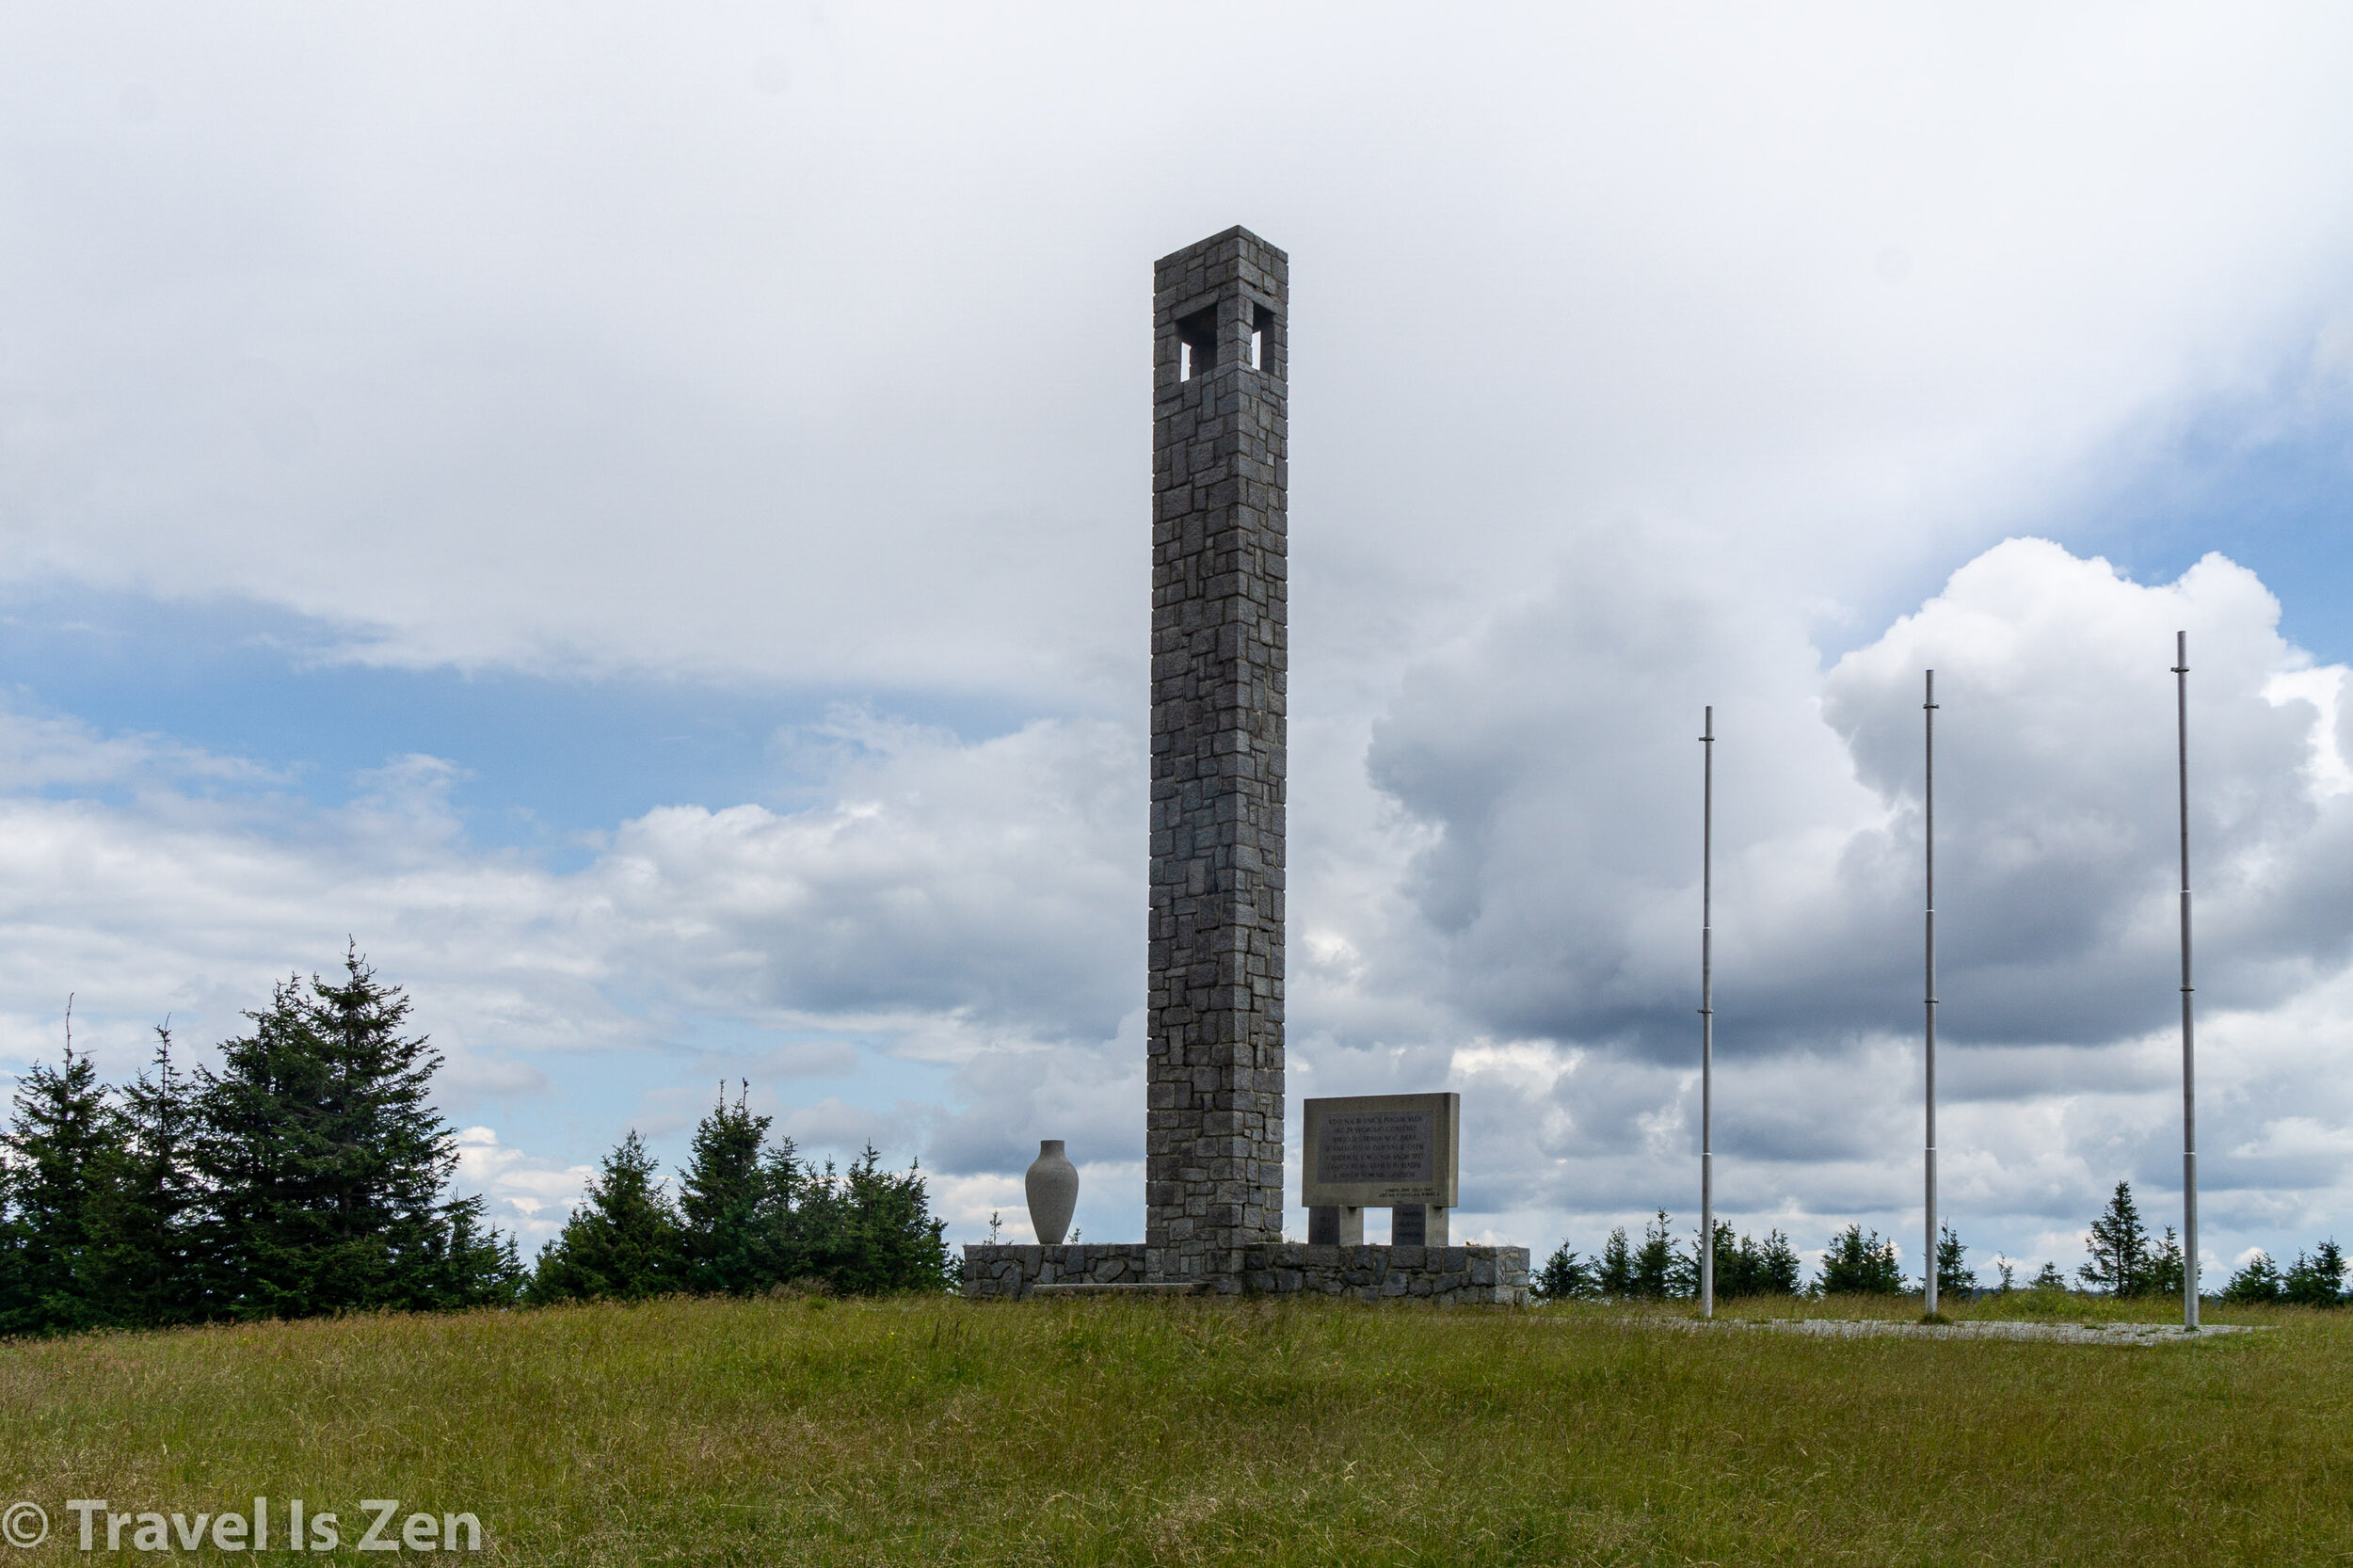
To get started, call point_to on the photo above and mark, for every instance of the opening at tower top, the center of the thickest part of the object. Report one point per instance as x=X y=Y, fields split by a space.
x=1197 y=343
x=1196 y=339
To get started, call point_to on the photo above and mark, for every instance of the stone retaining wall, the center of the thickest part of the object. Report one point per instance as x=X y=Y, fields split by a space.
x=1012 y=1273
x=1446 y=1275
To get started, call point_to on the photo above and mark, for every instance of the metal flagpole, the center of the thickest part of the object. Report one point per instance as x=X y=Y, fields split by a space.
x=2190 y=1057
x=1707 y=1018
x=1928 y=839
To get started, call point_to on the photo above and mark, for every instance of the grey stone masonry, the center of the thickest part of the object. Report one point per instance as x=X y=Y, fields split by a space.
x=1011 y=1272
x=1446 y=1276
x=1213 y=1139
x=1443 y=1276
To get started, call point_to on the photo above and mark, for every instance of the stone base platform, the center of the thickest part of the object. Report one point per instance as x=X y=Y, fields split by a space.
x=1442 y=1276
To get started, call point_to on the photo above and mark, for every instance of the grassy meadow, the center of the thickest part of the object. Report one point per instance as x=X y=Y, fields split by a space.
x=810 y=1430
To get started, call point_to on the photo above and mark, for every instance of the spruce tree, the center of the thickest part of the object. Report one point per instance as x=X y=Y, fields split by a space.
x=1564 y=1277
x=2163 y=1275
x=61 y=1143
x=1752 y=1268
x=870 y=1232
x=1730 y=1276
x=2119 y=1247
x=2257 y=1282
x=622 y=1243
x=787 y=1243
x=736 y=1232
x=1615 y=1277
x=1860 y=1264
x=147 y=1221
x=749 y=1216
x=323 y=1160
x=469 y=1264
x=16 y=1296
x=1953 y=1275
x=2317 y=1280
x=1660 y=1268
x=1778 y=1272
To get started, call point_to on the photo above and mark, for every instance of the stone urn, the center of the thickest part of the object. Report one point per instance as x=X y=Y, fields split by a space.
x=1052 y=1186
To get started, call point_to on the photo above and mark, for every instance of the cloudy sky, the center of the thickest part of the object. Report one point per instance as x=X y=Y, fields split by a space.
x=639 y=520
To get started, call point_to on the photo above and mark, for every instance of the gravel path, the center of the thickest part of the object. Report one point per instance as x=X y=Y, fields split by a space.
x=2067 y=1333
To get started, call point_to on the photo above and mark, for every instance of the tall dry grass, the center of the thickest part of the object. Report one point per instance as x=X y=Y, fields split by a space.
x=815 y=1431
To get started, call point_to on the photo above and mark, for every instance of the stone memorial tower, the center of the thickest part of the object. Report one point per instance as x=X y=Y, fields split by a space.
x=1221 y=642
x=1213 y=1068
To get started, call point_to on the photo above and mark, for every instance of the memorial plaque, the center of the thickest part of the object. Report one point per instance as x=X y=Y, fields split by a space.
x=1371 y=1151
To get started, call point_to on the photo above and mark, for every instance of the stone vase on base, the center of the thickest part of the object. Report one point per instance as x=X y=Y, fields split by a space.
x=1052 y=1186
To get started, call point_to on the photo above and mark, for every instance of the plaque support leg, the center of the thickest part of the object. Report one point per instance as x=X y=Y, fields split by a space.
x=1333 y=1226
x=1417 y=1224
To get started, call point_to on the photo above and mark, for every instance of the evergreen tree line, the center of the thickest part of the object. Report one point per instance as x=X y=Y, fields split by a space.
x=1662 y=1269
x=309 y=1174
x=750 y=1216
x=2125 y=1260
x=1856 y=1262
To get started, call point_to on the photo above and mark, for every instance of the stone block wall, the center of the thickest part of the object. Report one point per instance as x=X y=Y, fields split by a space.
x=1213 y=1136
x=1443 y=1276
x=1011 y=1272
